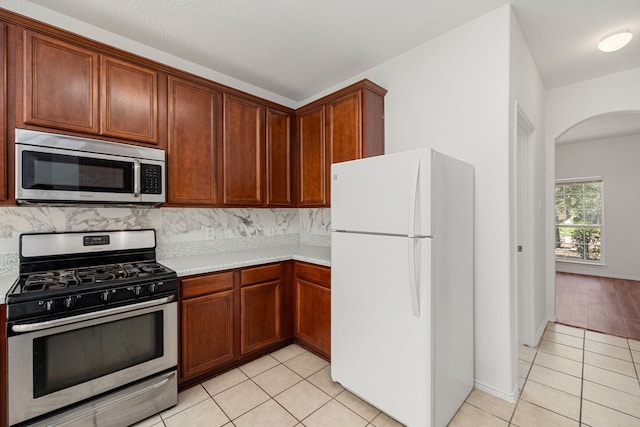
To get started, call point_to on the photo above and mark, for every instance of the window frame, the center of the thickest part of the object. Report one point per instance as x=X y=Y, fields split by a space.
x=557 y=225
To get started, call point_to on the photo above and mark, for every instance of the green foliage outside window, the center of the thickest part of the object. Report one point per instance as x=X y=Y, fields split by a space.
x=578 y=211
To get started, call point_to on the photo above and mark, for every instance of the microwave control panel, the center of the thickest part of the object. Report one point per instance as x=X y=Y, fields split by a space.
x=151 y=178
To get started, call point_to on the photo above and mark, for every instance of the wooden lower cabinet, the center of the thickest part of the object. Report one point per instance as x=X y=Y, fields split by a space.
x=206 y=323
x=312 y=307
x=230 y=317
x=259 y=307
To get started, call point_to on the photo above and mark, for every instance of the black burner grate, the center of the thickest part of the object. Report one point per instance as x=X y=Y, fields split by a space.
x=59 y=279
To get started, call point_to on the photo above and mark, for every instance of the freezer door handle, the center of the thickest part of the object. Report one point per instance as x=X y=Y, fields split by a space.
x=413 y=196
x=413 y=279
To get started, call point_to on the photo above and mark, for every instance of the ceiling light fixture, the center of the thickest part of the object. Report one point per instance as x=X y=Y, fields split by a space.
x=615 y=41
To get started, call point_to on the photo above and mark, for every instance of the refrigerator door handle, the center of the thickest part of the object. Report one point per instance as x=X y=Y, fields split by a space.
x=413 y=196
x=413 y=279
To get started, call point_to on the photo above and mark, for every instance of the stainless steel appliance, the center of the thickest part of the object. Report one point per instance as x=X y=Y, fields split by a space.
x=52 y=168
x=91 y=330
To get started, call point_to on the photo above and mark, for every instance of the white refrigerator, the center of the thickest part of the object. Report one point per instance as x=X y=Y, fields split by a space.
x=402 y=283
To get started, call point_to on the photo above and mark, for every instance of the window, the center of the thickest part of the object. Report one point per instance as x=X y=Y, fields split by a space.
x=579 y=220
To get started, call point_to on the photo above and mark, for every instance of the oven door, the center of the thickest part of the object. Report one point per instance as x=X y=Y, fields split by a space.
x=61 y=362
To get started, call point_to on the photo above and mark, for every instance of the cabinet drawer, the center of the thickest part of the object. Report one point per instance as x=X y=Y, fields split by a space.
x=261 y=274
x=196 y=286
x=313 y=273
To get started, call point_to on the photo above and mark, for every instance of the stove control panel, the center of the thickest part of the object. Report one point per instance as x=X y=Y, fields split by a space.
x=70 y=302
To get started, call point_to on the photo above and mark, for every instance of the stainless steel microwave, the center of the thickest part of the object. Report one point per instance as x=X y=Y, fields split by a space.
x=52 y=168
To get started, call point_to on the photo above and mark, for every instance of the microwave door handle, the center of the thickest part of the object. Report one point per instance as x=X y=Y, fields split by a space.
x=136 y=178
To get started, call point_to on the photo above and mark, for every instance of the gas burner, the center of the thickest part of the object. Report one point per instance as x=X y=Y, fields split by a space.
x=50 y=280
x=144 y=269
x=67 y=273
x=101 y=273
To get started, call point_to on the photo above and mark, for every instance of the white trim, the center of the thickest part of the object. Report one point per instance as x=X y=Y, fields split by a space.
x=578 y=180
x=603 y=274
x=540 y=331
x=509 y=397
x=603 y=240
x=570 y=261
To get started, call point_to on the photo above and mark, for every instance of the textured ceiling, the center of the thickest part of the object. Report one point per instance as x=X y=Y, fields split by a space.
x=563 y=34
x=295 y=48
x=298 y=48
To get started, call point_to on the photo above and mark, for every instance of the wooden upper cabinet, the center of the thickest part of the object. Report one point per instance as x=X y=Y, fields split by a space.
x=60 y=84
x=129 y=100
x=3 y=121
x=194 y=122
x=278 y=150
x=355 y=123
x=345 y=125
x=70 y=87
x=312 y=158
x=343 y=130
x=242 y=155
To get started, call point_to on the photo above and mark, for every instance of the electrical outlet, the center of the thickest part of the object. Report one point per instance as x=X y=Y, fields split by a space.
x=210 y=233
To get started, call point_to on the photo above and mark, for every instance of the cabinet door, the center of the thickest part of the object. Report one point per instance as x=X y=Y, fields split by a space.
x=343 y=128
x=194 y=119
x=207 y=333
x=260 y=308
x=278 y=148
x=242 y=152
x=312 y=308
x=3 y=116
x=60 y=84
x=129 y=100
x=312 y=162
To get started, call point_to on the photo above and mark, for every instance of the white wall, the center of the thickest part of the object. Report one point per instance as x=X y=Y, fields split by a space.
x=528 y=91
x=565 y=107
x=452 y=93
x=616 y=161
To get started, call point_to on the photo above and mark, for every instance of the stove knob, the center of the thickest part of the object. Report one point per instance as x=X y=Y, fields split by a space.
x=137 y=290
x=49 y=305
x=105 y=296
x=152 y=288
x=69 y=302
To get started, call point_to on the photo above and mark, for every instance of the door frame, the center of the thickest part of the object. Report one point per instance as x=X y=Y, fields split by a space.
x=523 y=205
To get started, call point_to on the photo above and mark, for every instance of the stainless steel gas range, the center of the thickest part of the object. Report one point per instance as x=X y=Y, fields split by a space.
x=91 y=330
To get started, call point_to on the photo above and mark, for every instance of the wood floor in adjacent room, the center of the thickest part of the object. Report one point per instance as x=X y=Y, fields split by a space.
x=600 y=304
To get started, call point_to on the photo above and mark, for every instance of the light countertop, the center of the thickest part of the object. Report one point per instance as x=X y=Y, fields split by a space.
x=198 y=264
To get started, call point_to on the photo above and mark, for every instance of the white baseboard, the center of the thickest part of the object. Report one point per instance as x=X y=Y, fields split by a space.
x=509 y=397
x=598 y=274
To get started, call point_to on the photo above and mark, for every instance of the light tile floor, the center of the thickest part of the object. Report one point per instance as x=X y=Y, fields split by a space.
x=574 y=378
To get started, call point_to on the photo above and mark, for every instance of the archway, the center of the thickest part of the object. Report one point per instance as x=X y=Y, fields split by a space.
x=595 y=162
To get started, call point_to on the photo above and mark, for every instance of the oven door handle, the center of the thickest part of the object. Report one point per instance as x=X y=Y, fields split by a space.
x=31 y=327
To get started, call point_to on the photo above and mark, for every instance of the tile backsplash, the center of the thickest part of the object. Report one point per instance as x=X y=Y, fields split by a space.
x=179 y=231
